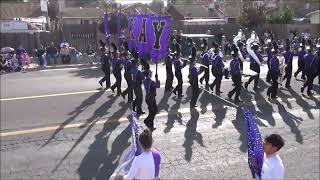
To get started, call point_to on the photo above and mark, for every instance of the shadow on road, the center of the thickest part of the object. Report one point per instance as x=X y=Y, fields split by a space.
x=88 y=73
x=291 y=120
x=191 y=134
x=100 y=162
x=239 y=124
x=78 y=110
x=173 y=115
x=302 y=103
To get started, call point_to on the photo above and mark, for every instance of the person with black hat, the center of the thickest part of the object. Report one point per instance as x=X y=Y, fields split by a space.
x=274 y=73
x=178 y=66
x=255 y=66
x=206 y=63
x=105 y=66
x=169 y=80
x=193 y=80
x=127 y=75
x=301 y=54
x=150 y=87
x=137 y=80
x=235 y=71
x=116 y=68
x=310 y=69
x=217 y=70
x=288 y=57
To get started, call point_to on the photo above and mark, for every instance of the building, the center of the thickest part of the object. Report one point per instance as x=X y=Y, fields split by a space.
x=314 y=17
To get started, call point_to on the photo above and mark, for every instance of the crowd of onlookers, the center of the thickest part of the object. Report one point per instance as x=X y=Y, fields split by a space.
x=15 y=60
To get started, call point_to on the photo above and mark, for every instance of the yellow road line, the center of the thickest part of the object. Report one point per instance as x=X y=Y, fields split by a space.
x=123 y=119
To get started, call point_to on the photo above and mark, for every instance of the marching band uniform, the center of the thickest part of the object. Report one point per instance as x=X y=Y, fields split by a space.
x=288 y=57
x=150 y=88
x=310 y=69
x=255 y=66
x=193 y=80
x=217 y=71
x=235 y=71
x=178 y=66
x=206 y=62
x=169 y=80
x=301 y=54
x=274 y=74
x=128 y=77
x=105 y=66
x=116 y=68
x=270 y=55
x=137 y=80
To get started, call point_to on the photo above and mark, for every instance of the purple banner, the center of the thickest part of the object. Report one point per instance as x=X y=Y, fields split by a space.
x=158 y=28
x=119 y=29
x=140 y=32
x=131 y=34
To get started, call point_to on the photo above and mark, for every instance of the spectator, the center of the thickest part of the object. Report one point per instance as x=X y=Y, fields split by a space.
x=147 y=164
x=65 y=54
x=40 y=56
x=64 y=43
x=19 y=52
x=51 y=54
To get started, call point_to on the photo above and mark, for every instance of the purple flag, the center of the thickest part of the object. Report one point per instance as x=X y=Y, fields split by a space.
x=131 y=33
x=140 y=32
x=158 y=28
x=255 y=149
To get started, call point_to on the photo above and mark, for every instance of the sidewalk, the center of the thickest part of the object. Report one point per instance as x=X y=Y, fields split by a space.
x=35 y=67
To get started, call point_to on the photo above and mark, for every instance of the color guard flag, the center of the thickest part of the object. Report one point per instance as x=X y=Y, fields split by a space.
x=255 y=145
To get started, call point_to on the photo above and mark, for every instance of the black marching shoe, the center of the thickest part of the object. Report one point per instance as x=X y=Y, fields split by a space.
x=302 y=89
x=246 y=85
x=100 y=83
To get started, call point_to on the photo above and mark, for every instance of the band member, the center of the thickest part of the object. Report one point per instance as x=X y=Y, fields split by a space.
x=288 y=57
x=301 y=54
x=254 y=66
x=243 y=53
x=105 y=66
x=235 y=71
x=127 y=75
x=318 y=61
x=116 y=68
x=150 y=88
x=137 y=80
x=274 y=73
x=217 y=71
x=206 y=63
x=169 y=80
x=269 y=55
x=178 y=66
x=193 y=79
x=310 y=69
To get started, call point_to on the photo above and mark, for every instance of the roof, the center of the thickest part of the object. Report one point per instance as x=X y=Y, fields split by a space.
x=82 y=12
x=312 y=13
x=191 y=10
x=10 y=10
x=203 y=21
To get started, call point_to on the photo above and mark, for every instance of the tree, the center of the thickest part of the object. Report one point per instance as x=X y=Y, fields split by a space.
x=284 y=17
x=252 y=17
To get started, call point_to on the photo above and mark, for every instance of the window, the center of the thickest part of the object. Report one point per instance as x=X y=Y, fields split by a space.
x=84 y=21
x=307 y=6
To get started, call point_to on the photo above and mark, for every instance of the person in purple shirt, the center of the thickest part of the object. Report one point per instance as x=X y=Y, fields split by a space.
x=288 y=57
x=217 y=71
x=137 y=80
x=301 y=54
x=150 y=87
x=193 y=79
x=243 y=52
x=19 y=52
x=205 y=62
x=235 y=71
x=178 y=66
x=254 y=66
x=310 y=69
x=127 y=64
x=274 y=73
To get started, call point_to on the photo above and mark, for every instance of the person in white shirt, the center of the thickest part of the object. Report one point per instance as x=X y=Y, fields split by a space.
x=272 y=167
x=147 y=164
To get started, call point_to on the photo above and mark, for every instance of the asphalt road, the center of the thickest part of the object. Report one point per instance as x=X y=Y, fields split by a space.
x=56 y=124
